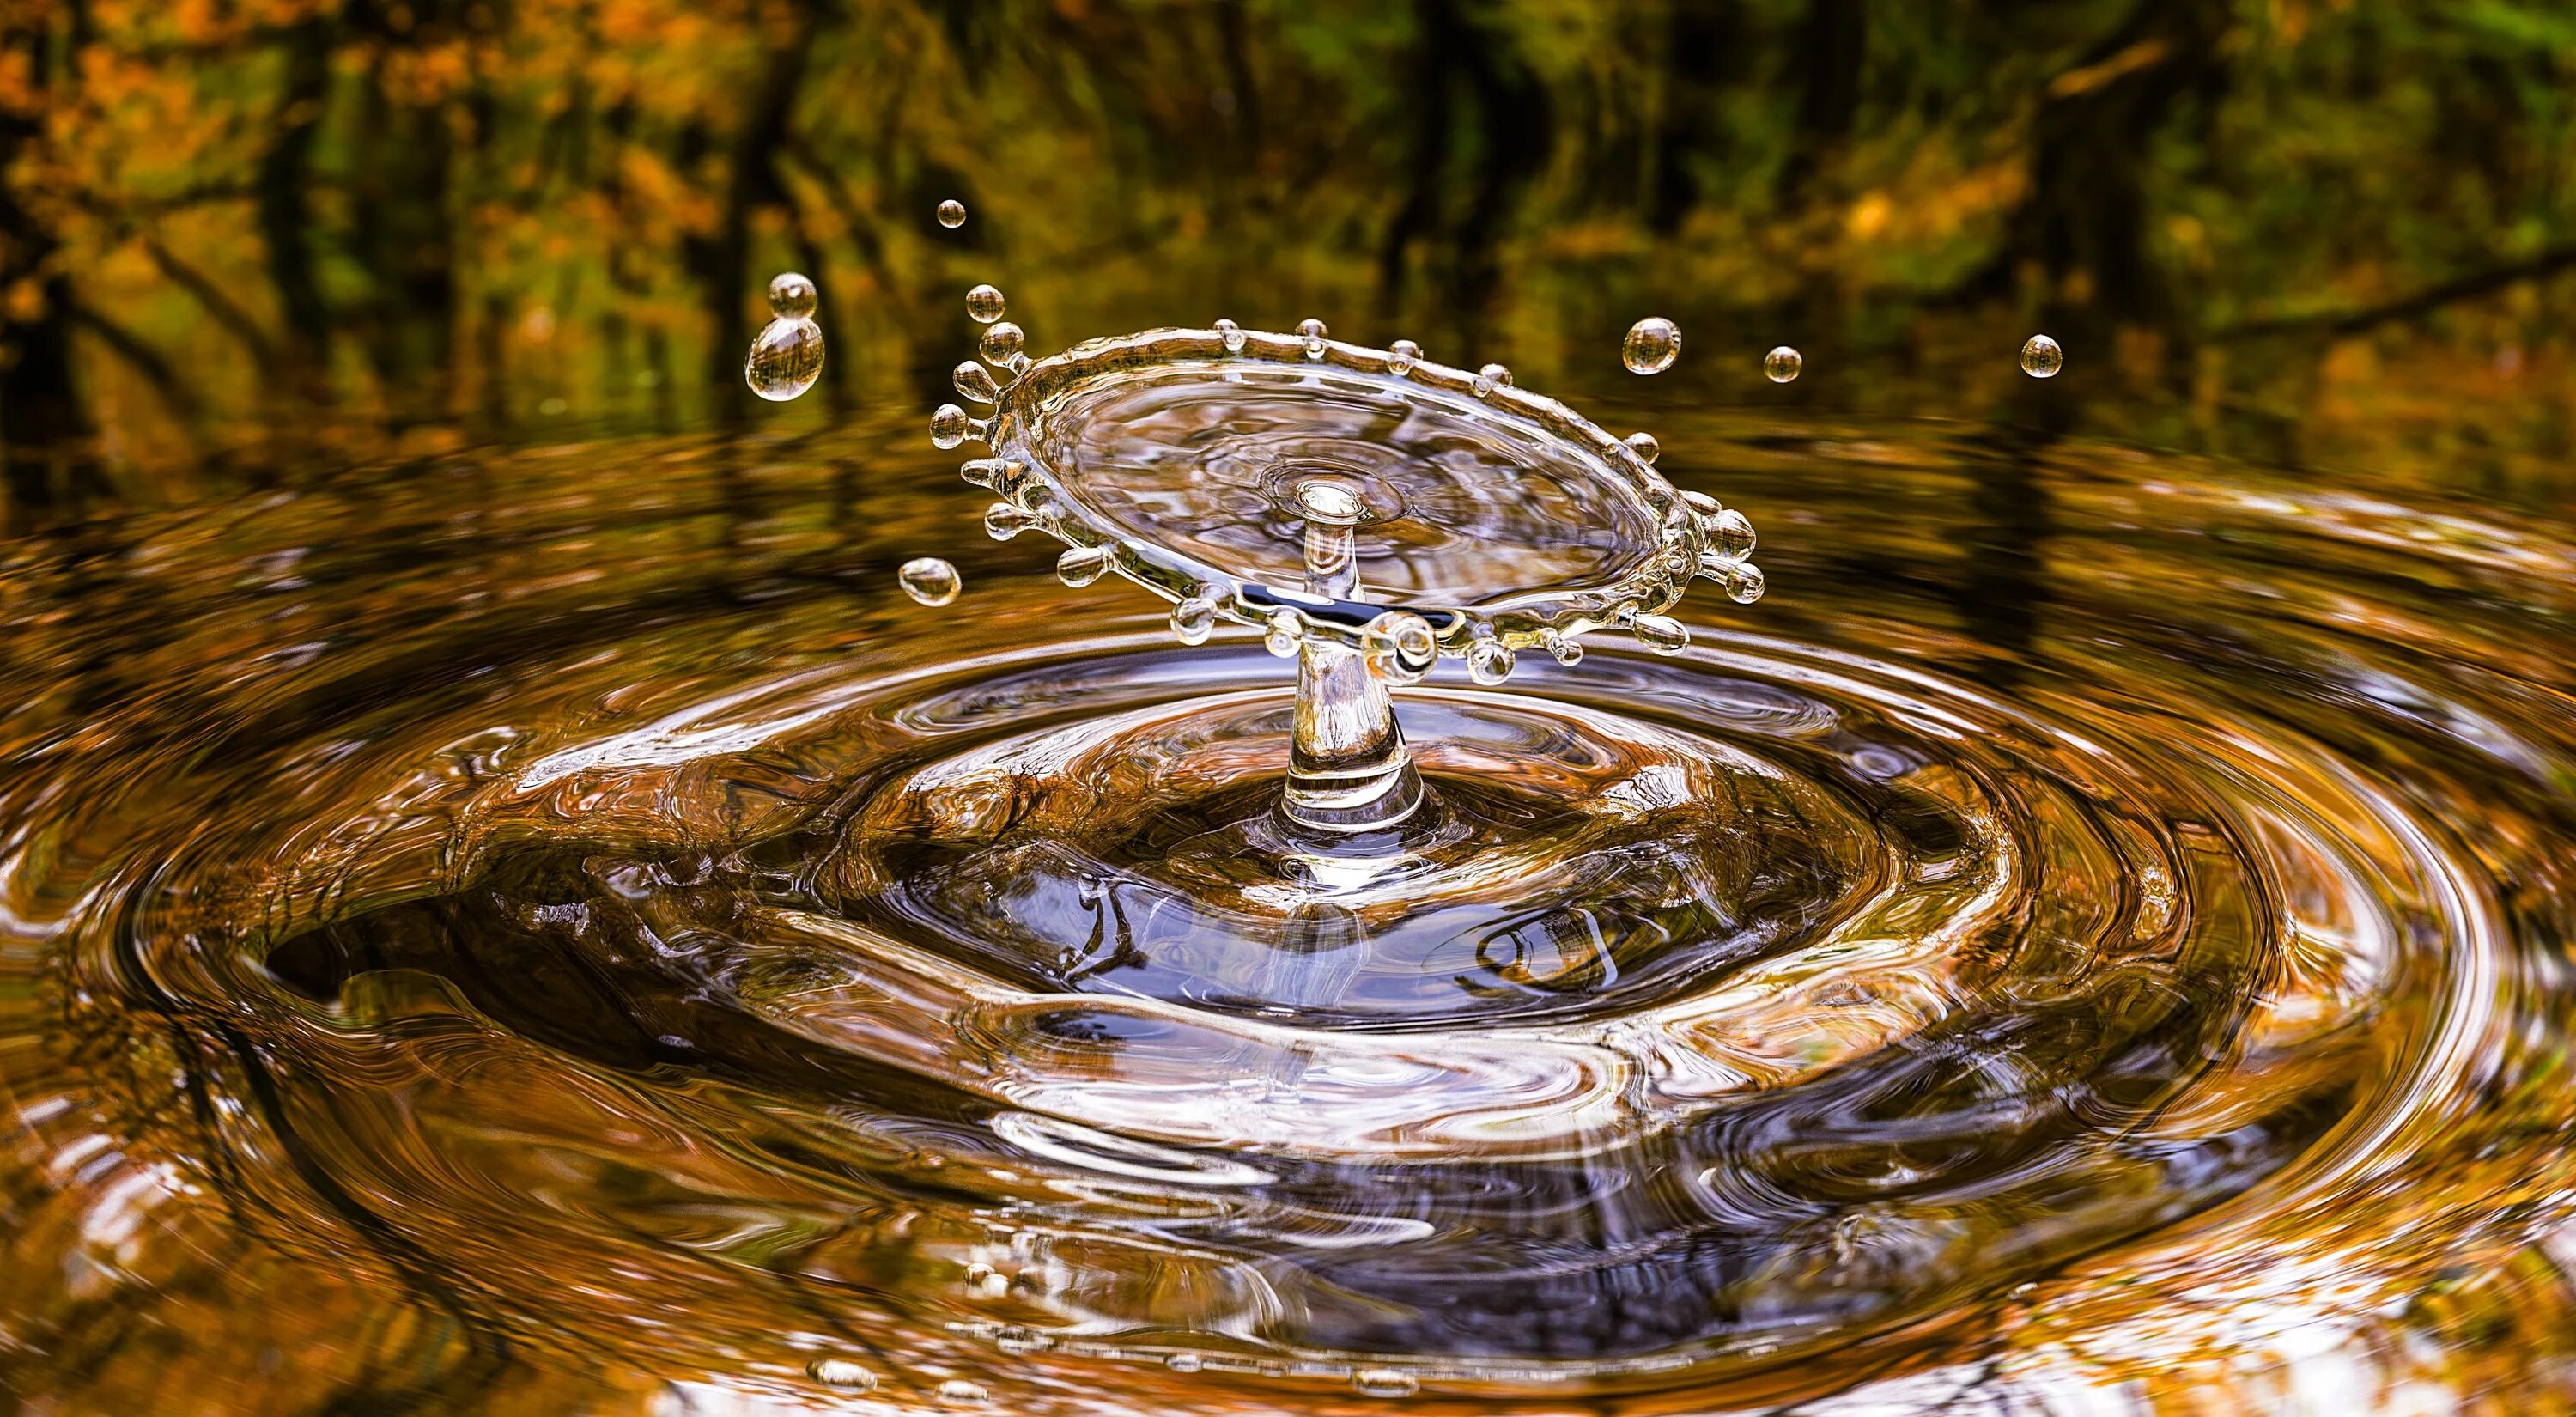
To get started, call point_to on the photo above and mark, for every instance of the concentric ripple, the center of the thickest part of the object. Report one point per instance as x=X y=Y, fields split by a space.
x=591 y=957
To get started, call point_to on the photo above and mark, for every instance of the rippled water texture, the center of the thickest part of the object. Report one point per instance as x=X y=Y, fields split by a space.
x=562 y=932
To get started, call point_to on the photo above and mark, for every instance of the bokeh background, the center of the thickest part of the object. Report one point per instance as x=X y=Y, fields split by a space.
x=243 y=242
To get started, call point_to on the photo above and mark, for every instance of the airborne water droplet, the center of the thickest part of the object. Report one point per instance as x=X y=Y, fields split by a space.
x=984 y=303
x=949 y=426
x=1001 y=346
x=1401 y=356
x=791 y=296
x=1661 y=633
x=1490 y=378
x=785 y=360
x=2041 y=358
x=932 y=582
x=1744 y=583
x=975 y=382
x=841 y=1373
x=1782 y=364
x=1645 y=447
x=952 y=213
x=1081 y=565
x=1652 y=345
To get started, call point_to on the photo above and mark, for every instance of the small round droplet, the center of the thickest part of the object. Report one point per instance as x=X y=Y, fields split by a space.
x=984 y=303
x=1385 y=1382
x=1782 y=364
x=932 y=582
x=841 y=1373
x=1489 y=661
x=785 y=360
x=949 y=426
x=791 y=296
x=1565 y=649
x=1645 y=447
x=2041 y=358
x=1402 y=355
x=1312 y=331
x=1744 y=583
x=1730 y=534
x=1232 y=334
x=960 y=1390
x=1490 y=378
x=1081 y=565
x=1193 y=619
x=1001 y=344
x=1002 y=521
x=1283 y=632
x=1400 y=646
x=1661 y=633
x=974 y=382
x=1652 y=345
x=952 y=213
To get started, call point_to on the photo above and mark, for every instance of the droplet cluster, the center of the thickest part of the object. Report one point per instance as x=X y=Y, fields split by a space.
x=787 y=356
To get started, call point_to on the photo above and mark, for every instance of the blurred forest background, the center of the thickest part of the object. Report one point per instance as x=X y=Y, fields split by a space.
x=241 y=240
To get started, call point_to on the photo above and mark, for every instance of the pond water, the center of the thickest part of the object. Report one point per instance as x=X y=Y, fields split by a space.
x=558 y=929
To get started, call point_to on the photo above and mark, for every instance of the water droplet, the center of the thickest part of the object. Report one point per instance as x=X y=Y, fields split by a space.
x=791 y=296
x=1563 y=648
x=1002 y=521
x=1312 y=331
x=1744 y=583
x=1285 y=630
x=952 y=213
x=975 y=382
x=1489 y=661
x=949 y=426
x=1402 y=355
x=1730 y=534
x=1385 y=1382
x=983 y=472
x=928 y=580
x=1702 y=503
x=1081 y=565
x=1000 y=346
x=984 y=303
x=1492 y=377
x=1782 y=364
x=1400 y=646
x=960 y=1390
x=1652 y=345
x=1232 y=334
x=1193 y=619
x=2041 y=358
x=1184 y=1362
x=1645 y=447
x=785 y=360
x=1660 y=633
x=841 y=1373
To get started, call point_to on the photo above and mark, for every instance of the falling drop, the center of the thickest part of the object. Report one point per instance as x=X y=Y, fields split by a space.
x=1193 y=619
x=1744 y=583
x=2041 y=358
x=1782 y=364
x=1384 y=1382
x=791 y=296
x=975 y=382
x=984 y=303
x=1490 y=378
x=1001 y=344
x=786 y=359
x=932 y=582
x=1652 y=345
x=1660 y=633
x=1401 y=356
x=949 y=426
x=1489 y=661
x=1081 y=565
x=1645 y=447
x=841 y=1373
x=1312 y=331
x=952 y=213
x=1286 y=629
x=1563 y=648
x=1400 y=646
x=1730 y=534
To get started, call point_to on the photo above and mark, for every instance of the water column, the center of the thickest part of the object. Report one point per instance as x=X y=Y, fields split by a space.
x=1348 y=770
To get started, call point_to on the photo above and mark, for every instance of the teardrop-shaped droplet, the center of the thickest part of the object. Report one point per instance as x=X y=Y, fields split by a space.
x=1193 y=619
x=1489 y=661
x=1232 y=334
x=1001 y=344
x=1782 y=364
x=1661 y=633
x=984 y=472
x=785 y=360
x=1744 y=583
x=1490 y=378
x=1402 y=355
x=1730 y=534
x=1283 y=632
x=984 y=303
x=1081 y=565
x=1652 y=345
x=1400 y=646
x=1002 y=521
x=1312 y=331
x=930 y=581
x=791 y=296
x=949 y=426
x=2041 y=358
x=975 y=382
x=1565 y=649
x=1645 y=447
x=952 y=213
